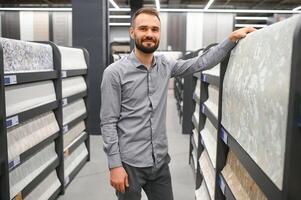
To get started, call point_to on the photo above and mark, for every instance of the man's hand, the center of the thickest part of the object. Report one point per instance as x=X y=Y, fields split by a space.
x=240 y=33
x=119 y=179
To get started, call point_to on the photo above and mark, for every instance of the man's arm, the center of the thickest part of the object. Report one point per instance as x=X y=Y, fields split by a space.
x=109 y=115
x=211 y=57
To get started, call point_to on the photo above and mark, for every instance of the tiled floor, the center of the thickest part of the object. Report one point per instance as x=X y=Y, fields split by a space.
x=92 y=183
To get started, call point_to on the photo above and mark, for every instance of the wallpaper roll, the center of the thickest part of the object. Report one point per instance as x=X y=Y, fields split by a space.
x=21 y=56
x=20 y=177
x=73 y=110
x=197 y=90
x=73 y=86
x=74 y=159
x=256 y=95
x=72 y=58
x=215 y=71
x=212 y=101
x=240 y=182
x=209 y=136
x=208 y=172
x=45 y=189
x=74 y=133
x=23 y=97
x=202 y=192
x=28 y=134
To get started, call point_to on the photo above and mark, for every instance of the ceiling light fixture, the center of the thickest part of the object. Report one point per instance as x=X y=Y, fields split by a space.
x=119 y=24
x=119 y=16
x=114 y=4
x=158 y=5
x=298 y=8
x=119 y=9
x=252 y=25
x=208 y=4
x=251 y=18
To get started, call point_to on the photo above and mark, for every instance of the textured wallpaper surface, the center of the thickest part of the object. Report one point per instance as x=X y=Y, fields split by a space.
x=73 y=85
x=72 y=58
x=22 y=56
x=256 y=93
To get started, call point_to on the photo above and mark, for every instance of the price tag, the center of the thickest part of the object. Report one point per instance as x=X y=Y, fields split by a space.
x=65 y=129
x=222 y=184
x=64 y=101
x=203 y=109
x=14 y=163
x=224 y=135
x=67 y=180
x=12 y=121
x=10 y=79
x=64 y=74
x=204 y=77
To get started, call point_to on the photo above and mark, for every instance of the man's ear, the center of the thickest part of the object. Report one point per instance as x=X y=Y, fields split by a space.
x=131 y=31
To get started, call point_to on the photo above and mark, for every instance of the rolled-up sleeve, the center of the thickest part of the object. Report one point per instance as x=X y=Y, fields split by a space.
x=109 y=115
x=207 y=60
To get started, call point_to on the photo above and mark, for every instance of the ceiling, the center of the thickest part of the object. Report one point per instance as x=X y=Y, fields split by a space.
x=217 y=4
x=221 y=4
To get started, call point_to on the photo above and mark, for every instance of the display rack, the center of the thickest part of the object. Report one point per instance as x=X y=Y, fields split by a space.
x=53 y=168
x=230 y=154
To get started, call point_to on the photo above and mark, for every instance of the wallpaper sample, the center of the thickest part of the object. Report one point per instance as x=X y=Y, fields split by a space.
x=209 y=136
x=20 y=177
x=208 y=172
x=73 y=110
x=241 y=184
x=73 y=85
x=212 y=101
x=24 y=97
x=256 y=94
x=22 y=56
x=45 y=189
x=28 y=134
x=73 y=133
x=72 y=58
x=202 y=192
x=73 y=160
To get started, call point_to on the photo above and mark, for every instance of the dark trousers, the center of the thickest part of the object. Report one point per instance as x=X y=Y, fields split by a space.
x=156 y=183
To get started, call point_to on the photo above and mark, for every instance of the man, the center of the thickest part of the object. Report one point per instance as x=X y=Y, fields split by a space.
x=133 y=111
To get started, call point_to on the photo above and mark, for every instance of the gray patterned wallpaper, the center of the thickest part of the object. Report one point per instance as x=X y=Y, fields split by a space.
x=255 y=97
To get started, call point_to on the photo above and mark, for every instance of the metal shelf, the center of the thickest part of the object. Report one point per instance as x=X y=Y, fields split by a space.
x=18 y=78
x=70 y=99
x=73 y=72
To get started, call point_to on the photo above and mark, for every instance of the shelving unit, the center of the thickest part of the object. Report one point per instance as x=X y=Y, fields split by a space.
x=32 y=154
x=236 y=167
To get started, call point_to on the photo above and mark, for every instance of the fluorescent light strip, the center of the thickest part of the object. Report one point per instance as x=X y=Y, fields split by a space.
x=208 y=4
x=228 y=11
x=35 y=9
x=298 y=8
x=119 y=9
x=114 y=4
x=119 y=24
x=251 y=18
x=158 y=4
x=119 y=16
x=252 y=25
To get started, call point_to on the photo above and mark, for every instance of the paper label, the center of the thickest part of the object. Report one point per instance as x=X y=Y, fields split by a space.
x=65 y=129
x=203 y=109
x=224 y=136
x=222 y=184
x=64 y=101
x=64 y=74
x=67 y=180
x=12 y=121
x=10 y=79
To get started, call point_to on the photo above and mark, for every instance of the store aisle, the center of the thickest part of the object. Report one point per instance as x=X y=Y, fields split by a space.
x=92 y=183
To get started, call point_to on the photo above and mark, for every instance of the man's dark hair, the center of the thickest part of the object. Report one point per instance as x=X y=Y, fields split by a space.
x=147 y=10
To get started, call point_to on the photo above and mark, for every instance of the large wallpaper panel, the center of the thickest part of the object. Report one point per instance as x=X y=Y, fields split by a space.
x=256 y=94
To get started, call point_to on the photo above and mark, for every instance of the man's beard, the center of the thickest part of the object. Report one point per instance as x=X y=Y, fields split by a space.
x=146 y=49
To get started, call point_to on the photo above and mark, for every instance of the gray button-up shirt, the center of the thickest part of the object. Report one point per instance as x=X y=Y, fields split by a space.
x=133 y=110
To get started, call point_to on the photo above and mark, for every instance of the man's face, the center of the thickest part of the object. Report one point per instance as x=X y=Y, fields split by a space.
x=146 y=33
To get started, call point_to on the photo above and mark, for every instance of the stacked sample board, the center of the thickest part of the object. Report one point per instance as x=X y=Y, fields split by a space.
x=33 y=130
x=249 y=133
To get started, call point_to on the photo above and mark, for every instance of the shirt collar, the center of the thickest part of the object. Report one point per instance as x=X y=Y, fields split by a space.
x=137 y=63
